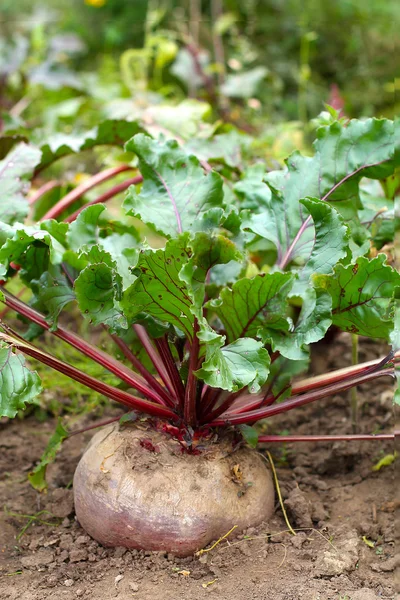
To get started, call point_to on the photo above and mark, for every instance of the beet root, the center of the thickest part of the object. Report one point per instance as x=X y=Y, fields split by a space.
x=135 y=488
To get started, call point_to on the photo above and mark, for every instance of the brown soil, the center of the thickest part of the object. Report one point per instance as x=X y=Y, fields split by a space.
x=331 y=492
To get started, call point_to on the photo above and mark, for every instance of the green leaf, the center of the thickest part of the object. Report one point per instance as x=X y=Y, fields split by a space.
x=33 y=248
x=343 y=155
x=362 y=296
x=83 y=231
x=158 y=289
x=53 y=293
x=111 y=132
x=176 y=195
x=98 y=290
x=330 y=242
x=243 y=85
x=37 y=477
x=232 y=367
x=395 y=341
x=15 y=172
x=314 y=320
x=18 y=385
x=207 y=253
x=253 y=305
x=249 y=434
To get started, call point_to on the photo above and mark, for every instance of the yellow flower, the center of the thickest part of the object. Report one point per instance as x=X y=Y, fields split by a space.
x=96 y=3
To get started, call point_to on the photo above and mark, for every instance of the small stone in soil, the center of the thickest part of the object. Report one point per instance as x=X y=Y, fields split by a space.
x=134 y=587
x=78 y=555
x=41 y=558
x=69 y=582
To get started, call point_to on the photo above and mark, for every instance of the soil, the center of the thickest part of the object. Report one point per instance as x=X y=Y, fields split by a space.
x=343 y=512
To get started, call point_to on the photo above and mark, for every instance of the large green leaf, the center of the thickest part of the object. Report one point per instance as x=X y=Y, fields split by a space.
x=176 y=195
x=362 y=296
x=83 y=231
x=15 y=172
x=158 y=291
x=111 y=132
x=232 y=367
x=253 y=305
x=18 y=385
x=343 y=155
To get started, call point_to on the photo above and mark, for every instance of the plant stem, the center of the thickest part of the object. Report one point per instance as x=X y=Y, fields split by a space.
x=95 y=426
x=80 y=190
x=112 y=365
x=353 y=391
x=269 y=411
x=91 y=382
x=267 y=439
x=164 y=350
x=152 y=381
x=111 y=193
x=154 y=357
x=189 y=403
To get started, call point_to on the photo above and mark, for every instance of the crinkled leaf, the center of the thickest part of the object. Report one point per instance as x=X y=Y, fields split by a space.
x=314 y=320
x=125 y=254
x=110 y=132
x=362 y=296
x=18 y=385
x=158 y=290
x=98 y=290
x=254 y=304
x=329 y=244
x=37 y=477
x=15 y=172
x=343 y=155
x=232 y=367
x=207 y=253
x=33 y=248
x=176 y=195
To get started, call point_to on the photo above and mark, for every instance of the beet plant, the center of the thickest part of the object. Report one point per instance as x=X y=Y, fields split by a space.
x=213 y=288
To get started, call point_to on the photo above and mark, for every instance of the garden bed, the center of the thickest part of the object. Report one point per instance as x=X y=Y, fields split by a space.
x=331 y=491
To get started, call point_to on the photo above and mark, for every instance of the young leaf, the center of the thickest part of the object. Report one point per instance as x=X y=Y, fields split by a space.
x=362 y=296
x=15 y=171
x=98 y=290
x=18 y=385
x=37 y=477
x=176 y=195
x=232 y=367
x=253 y=305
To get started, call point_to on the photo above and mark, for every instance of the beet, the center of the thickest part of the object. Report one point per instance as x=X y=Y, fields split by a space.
x=136 y=488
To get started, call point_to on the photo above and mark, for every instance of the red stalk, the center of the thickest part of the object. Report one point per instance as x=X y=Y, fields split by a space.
x=269 y=411
x=114 y=191
x=47 y=187
x=164 y=350
x=154 y=356
x=189 y=404
x=267 y=439
x=209 y=398
x=152 y=381
x=112 y=365
x=91 y=382
x=80 y=190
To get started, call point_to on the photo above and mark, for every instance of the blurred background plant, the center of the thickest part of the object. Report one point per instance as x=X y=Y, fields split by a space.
x=255 y=62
